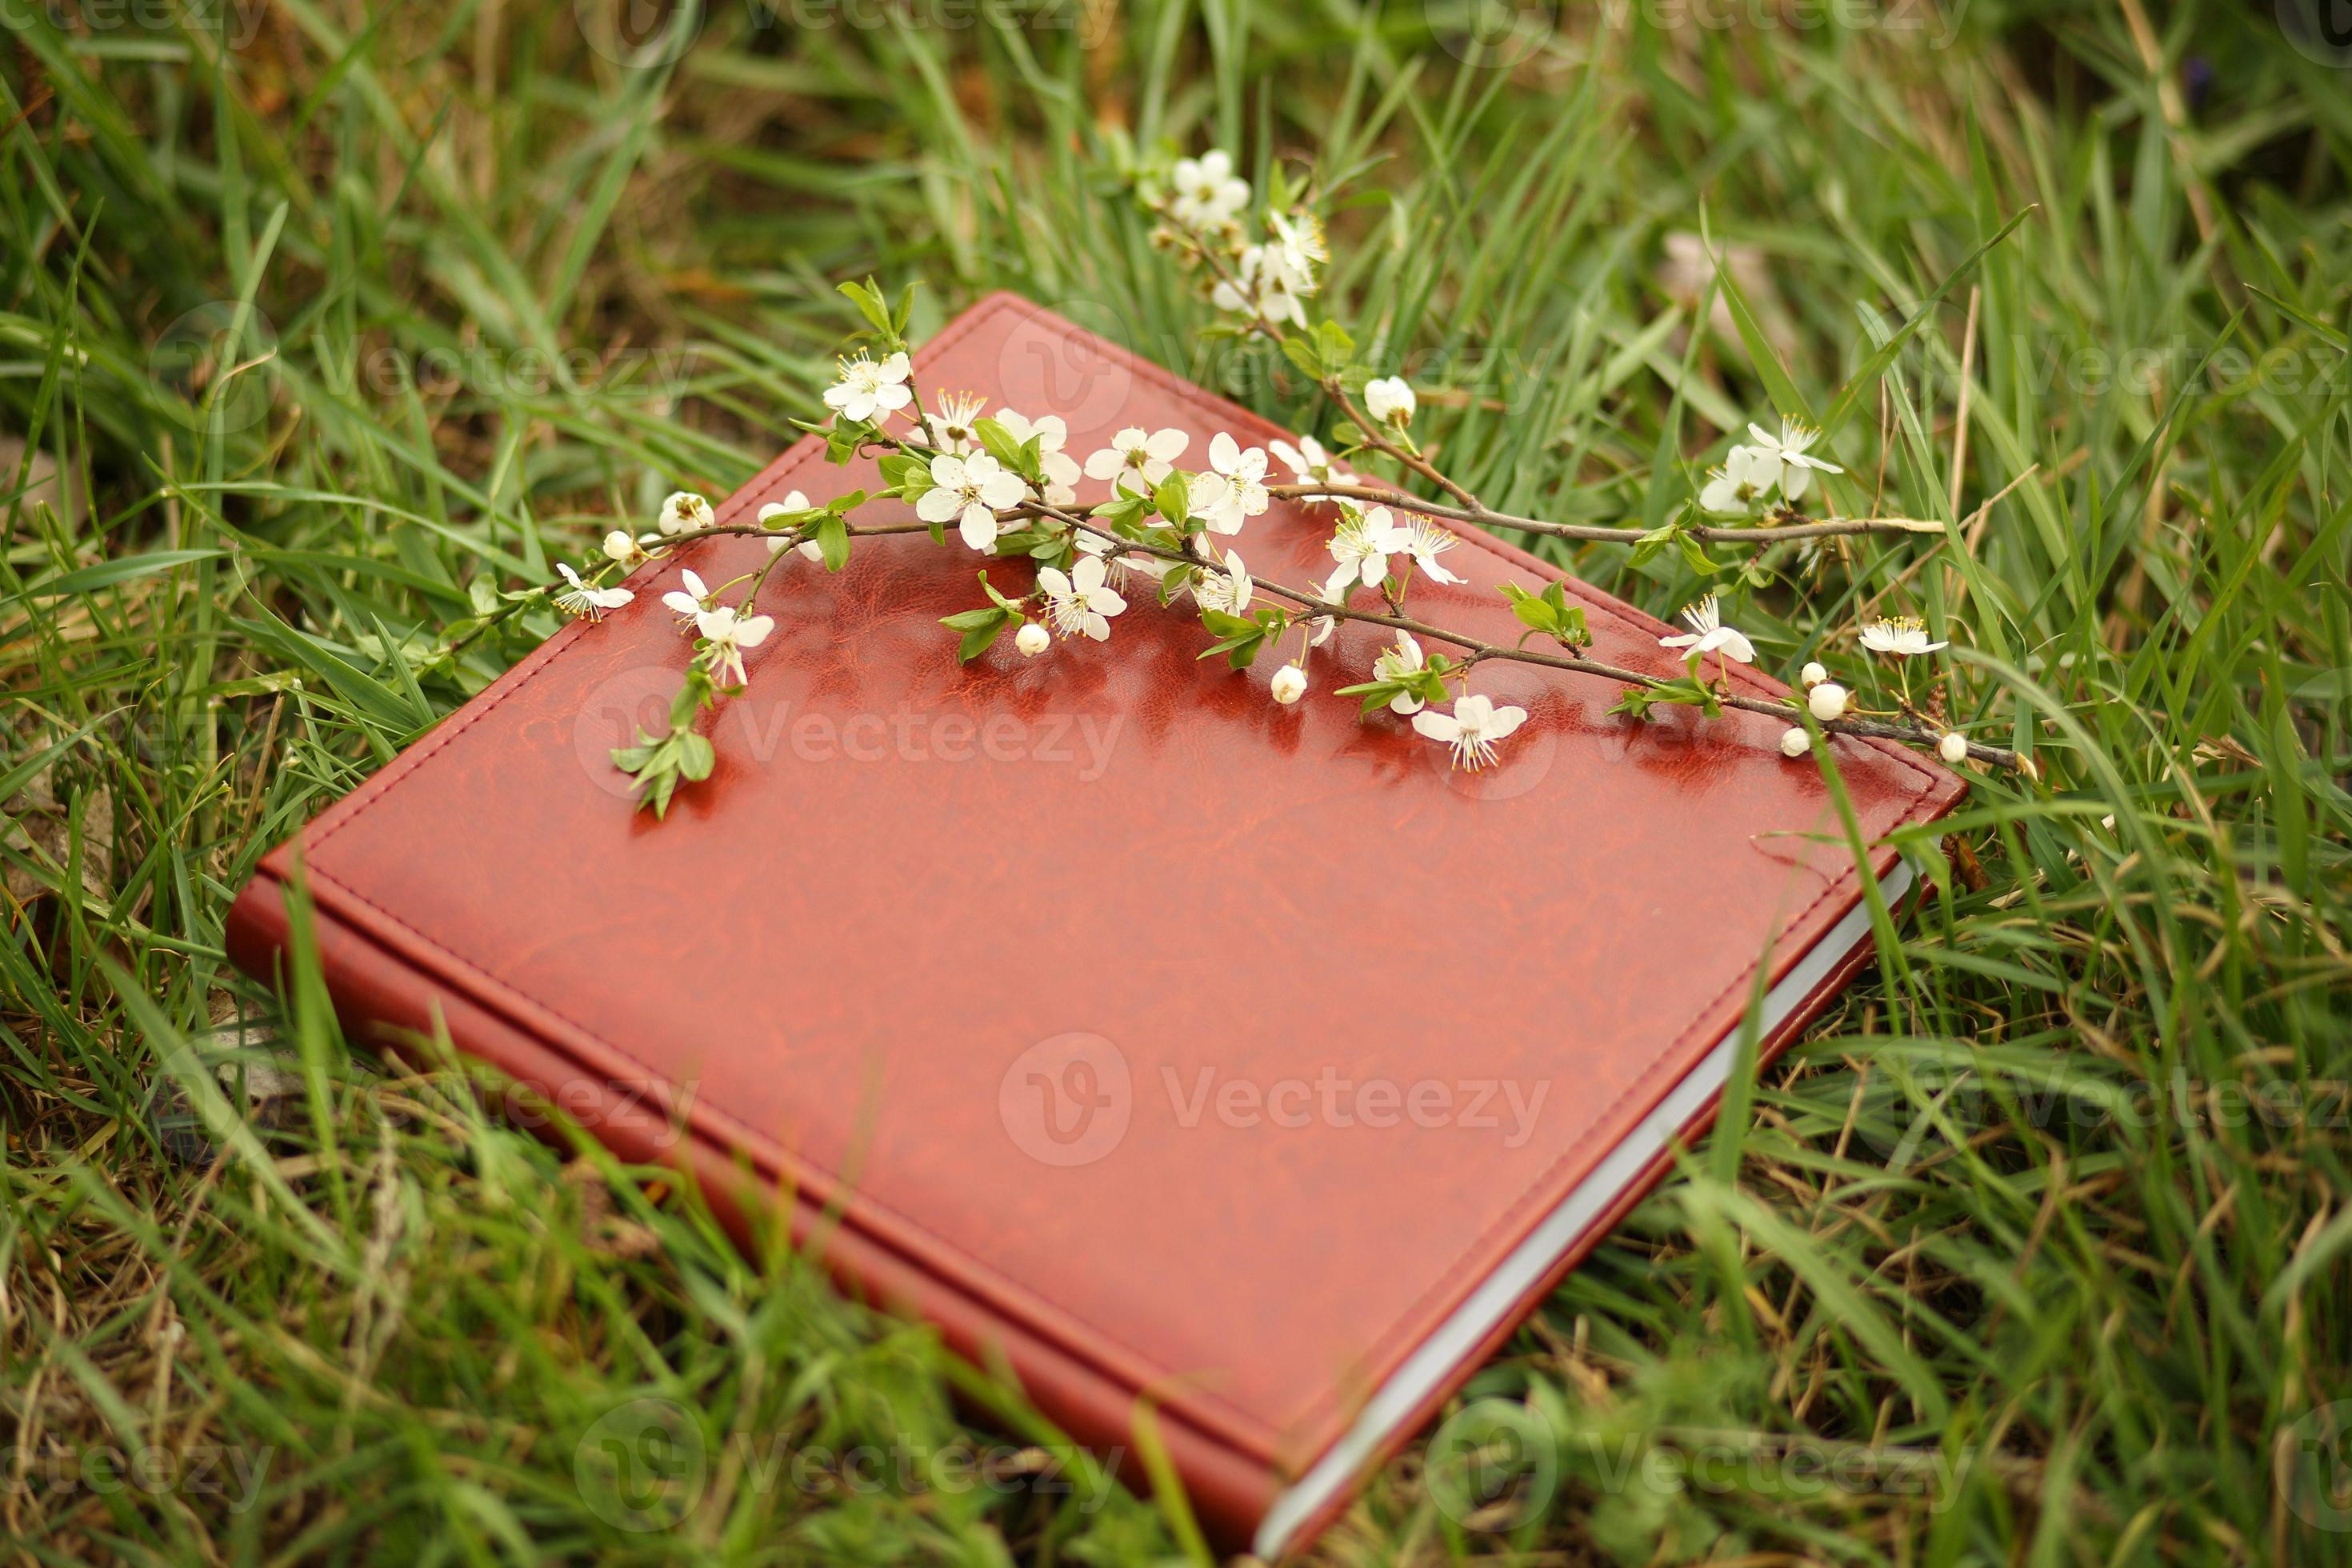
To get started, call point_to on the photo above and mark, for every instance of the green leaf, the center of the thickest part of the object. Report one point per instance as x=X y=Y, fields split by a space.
x=696 y=756
x=872 y=306
x=998 y=442
x=1172 y=497
x=1693 y=556
x=977 y=640
x=1306 y=356
x=833 y=539
x=1338 y=347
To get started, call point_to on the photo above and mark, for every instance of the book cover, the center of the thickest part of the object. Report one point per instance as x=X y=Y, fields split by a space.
x=1154 y=1041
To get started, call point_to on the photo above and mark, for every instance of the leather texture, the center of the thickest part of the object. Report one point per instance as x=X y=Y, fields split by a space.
x=1148 y=1037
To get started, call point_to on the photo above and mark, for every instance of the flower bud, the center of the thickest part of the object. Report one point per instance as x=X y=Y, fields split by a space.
x=1289 y=684
x=1825 y=701
x=1389 y=399
x=1953 y=748
x=1032 y=639
x=619 y=546
x=1812 y=674
x=1795 y=742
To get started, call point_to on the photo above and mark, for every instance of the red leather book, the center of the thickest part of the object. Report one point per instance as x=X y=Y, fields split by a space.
x=1152 y=1039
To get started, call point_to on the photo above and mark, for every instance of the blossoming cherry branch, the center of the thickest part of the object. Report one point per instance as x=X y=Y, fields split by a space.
x=1005 y=487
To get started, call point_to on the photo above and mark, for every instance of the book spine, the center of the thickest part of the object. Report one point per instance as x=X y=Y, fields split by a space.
x=385 y=1004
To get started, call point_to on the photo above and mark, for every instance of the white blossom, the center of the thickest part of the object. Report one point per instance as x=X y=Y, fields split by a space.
x=1265 y=282
x=1426 y=542
x=1795 y=742
x=625 y=550
x=684 y=510
x=1309 y=464
x=1079 y=601
x=726 y=635
x=1289 y=684
x=1119 y=565
x=794 y=502
x=1403 y=660
x=1135 y=460
x=1472 y=730
x=1239 y=493
x=951 y=427
x=1207 y=194
x=1826 y=701
x=1388 y=399
x=969 y=492
x=1361 y=545
x=1228 y=591
x=1708 y=635
x=1297 y=247
x=1902 y=636
x=870 y=386
x=1032 y=639
x=689 y=601
x=579 y=598
x=1786 y=458
x=1061 y=471
x=1747 y=475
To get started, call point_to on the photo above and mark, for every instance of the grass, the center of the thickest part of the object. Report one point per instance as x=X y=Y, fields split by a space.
x=2038 y=1248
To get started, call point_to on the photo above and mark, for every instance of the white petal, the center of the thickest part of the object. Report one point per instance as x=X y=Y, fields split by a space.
x=1224 y=452
x=1057 y=582
x=1504 y=722
x=938 y=505
x=752 y=633
x=978 y=526
x=1441 y=727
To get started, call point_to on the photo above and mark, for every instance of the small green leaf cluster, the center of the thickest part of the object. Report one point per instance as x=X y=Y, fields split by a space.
x=983 y=626
x=660 y=762
x=1548 y=613
x=1686 y=691
x=1426 y=685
